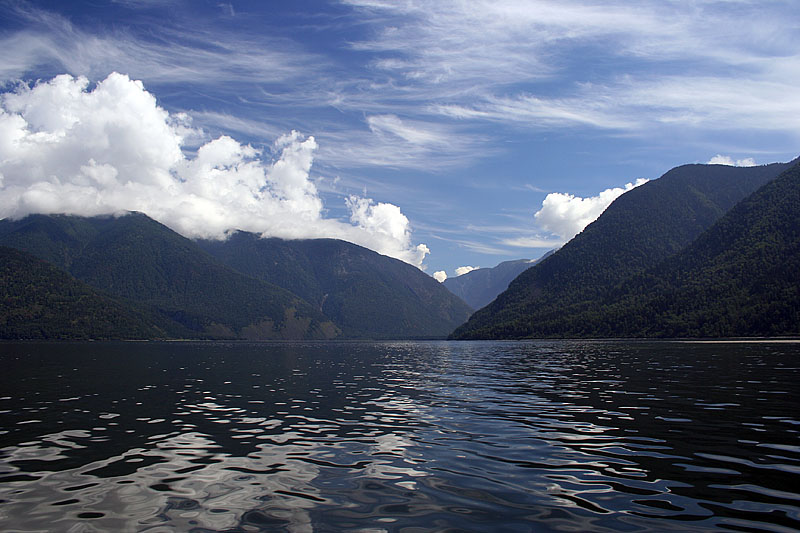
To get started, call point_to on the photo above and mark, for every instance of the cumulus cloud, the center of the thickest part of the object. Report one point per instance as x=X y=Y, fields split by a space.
x=384 y=221
x=566 y=215
x=460 y=271
x=66 y=147
x=440 y=276
x=728 y=160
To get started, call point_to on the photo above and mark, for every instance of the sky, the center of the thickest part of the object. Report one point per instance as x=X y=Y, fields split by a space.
x=449 y=134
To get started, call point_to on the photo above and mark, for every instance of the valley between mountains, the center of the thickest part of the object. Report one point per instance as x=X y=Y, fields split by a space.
x=703 y=251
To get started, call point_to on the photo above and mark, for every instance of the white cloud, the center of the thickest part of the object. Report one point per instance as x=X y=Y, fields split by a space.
x=566 y=215
x=462 y=58
x=460 y=271
x=203 y=55
x=533 y=242
x=393 y=126
x=728 y=160
x=386 y=222
x=452 y=66
x=440 y=276
x=67 y=149
x=389 y=141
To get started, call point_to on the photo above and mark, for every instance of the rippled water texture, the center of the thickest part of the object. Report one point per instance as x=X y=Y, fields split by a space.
x=541 y=436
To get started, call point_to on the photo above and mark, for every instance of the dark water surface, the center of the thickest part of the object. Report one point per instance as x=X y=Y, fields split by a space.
x=406 y=436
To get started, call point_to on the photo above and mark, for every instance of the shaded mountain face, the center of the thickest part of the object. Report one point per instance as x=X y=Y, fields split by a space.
x=637 y=232
x=739 y=278
x=479 y=287
x=136 y=259
x=367 y=295
x=41 y=301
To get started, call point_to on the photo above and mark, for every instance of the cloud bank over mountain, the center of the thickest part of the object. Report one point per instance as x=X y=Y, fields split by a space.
x=566 y=215
x=68 y=147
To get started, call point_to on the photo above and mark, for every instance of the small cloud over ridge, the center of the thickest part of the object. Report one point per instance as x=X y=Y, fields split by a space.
x=720 y=159
x=460 y=271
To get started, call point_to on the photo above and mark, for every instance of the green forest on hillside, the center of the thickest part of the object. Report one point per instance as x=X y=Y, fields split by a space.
x=366 y=294
x=660 y=262
x=251 y=288
x=39 y=301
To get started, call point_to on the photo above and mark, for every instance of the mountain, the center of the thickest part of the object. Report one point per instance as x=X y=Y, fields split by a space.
x=367 y=295
x=479 y=287
x=136 y=259
x=41 y=301
x=739 y=278
x=638 y=231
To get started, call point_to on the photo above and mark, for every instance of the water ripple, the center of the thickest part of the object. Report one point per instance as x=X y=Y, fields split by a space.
x=551 y=436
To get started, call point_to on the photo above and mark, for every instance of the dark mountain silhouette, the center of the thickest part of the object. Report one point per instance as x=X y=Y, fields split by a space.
x=638 y=231
x=364 y=293
x=137 y=259
x=254 y=289
x=739 y=278
x=41 y=301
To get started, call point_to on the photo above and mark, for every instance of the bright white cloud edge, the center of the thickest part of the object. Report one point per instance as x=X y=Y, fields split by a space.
x=720 y=159
x=460 y=271
x=67 y=149
x=567 y=215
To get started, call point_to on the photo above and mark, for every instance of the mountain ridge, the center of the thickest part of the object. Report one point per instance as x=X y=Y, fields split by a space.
x=739 y=278
x=137 y=259
x=366 y=294
x=637 y=231
x=482 y=285
x=189 y=293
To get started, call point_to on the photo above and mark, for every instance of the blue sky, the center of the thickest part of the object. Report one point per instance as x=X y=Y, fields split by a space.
x=445 y=124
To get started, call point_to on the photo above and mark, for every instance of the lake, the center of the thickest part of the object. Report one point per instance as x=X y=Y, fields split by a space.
x=400 y=436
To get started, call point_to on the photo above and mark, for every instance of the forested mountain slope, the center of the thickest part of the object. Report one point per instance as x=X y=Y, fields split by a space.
x=638 y=231
x=40 y=301
x=739 y=278
x=135 y=258
x=365 y=294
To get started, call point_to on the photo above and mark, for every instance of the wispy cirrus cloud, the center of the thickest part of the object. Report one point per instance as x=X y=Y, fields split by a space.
x=230 y=123
x=394 y=142
x=202 y=56
x=428 y=74
x=265 y=74
x=650 y=63
x=534 y=242
x=393 y=128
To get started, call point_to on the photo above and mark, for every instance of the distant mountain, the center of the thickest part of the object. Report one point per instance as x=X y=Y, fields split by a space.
x=41 y=301
x=638 y=231
x=367 y=295
x=479 y=287
x=137 y=259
